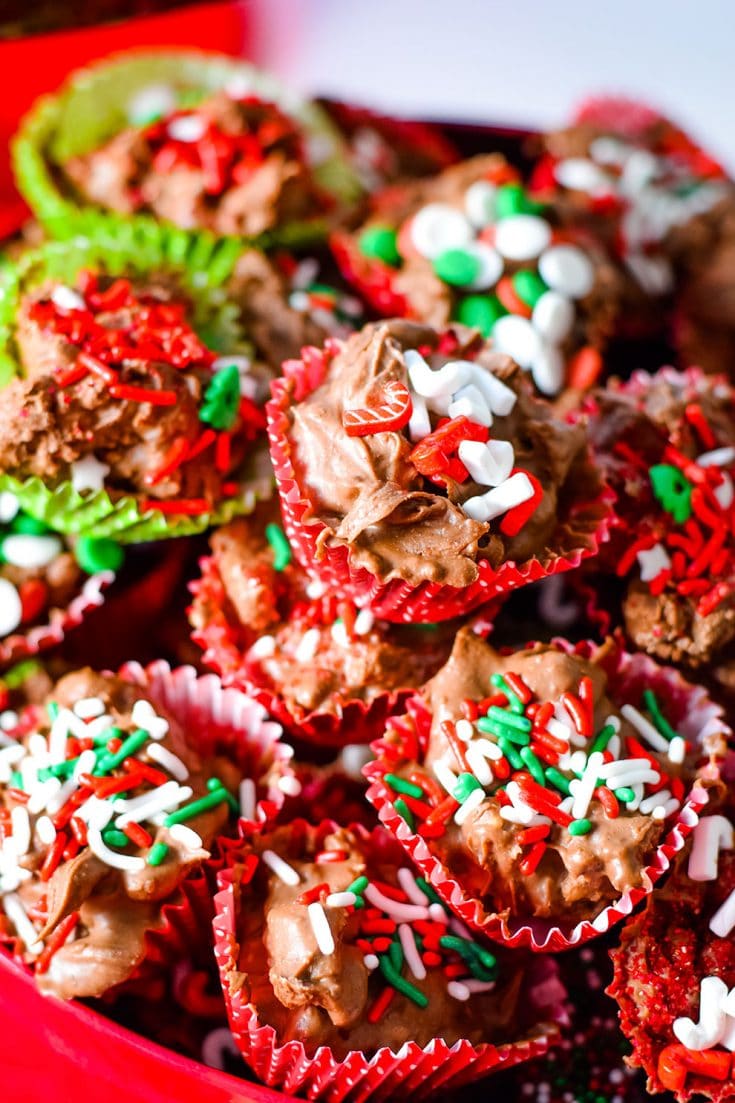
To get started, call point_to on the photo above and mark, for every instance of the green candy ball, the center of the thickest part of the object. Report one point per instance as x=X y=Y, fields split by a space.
x=480 y=312
x=528 y=286
x=94 y=554
x=28 y=526
x=380 y=243
x=457 y=267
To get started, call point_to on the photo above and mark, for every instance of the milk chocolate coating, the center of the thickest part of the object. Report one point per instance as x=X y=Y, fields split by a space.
x=372 y=498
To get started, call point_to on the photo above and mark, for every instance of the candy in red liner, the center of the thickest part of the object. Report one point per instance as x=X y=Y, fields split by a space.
x=127 y=765
x=471 y=245
x=331 y=674
x=675 y=968
x=666 y=443
x=556 y=801
x=357 y=1028
x=364 y=520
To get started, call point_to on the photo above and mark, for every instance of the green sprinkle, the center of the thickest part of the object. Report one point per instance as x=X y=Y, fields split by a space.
x=625 y=795
x=404 y=812
x=130 y=746
x=190 y=810
x=18 y=674
x=510 y=753
x=53 y=710
x=157 y=853
x=103 y=738
x=457 y=267
x=673 y=490
x=395 y=953
x=113 y=837
x=503 y=731
x=63 y=769
x=429 y=891
x=400 y=786
x=557 y=779
x=466 y=784
x=282 y=554
x=580 y=827
x=481 y=963
x=381 y=243
x=528 y=286
x=359 y=903
x=520 y=723
x=659 y=720
x=358 y=886
x=222 y=399
x=94 y=554
x=513 y=699
x=16 y=780
x=400 y=983
x=534 y=766
x=480 y=312
x=602 y=738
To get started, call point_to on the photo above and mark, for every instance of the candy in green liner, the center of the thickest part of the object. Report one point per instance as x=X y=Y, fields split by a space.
x=199 y=140
x=132 y=400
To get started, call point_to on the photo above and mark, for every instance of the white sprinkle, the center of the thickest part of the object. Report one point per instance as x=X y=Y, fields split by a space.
x=96 y=812
x=489 y=463
x=88 y=708
x=446 y=777
x=9 y=720
x=645 y=728
x=21 y=828
x=339 y=634
x=470 y=805
x=719 y=457
x=341 y=900
x=438 y=227
x=477 y=987
x=371 y=962
x=315 y=589
x=11 y=609
x=42 y=794
x=45 y=831
x=66 y=298
x=61 y=796
x=289 y=785
x=167 y=797
x=85 y=764
x=410 y=952
x=263 y=648
x=458 y=991
x=186 y=836
x=88 y=474
x=677 y=750
x=513 y=814
x=487 y=748
x=725 y=491
x=429 y=382
x=353 y=757
x=469 y=401
x=648 y=804
x=407 y=881
x=128 y=862
x=308 y=646
x=566 y=269
x=364 y=622
x=437 y=914
x=581 y=174
x=723 y=921
x=479 y=765
x=16 y=913
x=187 y=128
x=500 y=398
x=282 y=870
x=517 y=337
x=711 y=835
x=419 y=424
x=98 y=726
x=402 y=913
x=145 y=716
x=558 y=730
x=587 y=786
x=465 y=730
x=31 y=552
x=247 y=798
x=522 y=236
x=513 y=492
x=166 y=758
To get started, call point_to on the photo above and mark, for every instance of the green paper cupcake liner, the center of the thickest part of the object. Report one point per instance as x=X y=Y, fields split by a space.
x=90 y=109
x=202 y=264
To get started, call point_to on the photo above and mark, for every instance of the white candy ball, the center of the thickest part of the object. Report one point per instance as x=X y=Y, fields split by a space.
x=31 y=552
x=568 y=270
x=517 y=337
x=438 y=227
x=11 y=610
x=8 y=507
x=491 y=266
x=580 y=174
x=187 y=128
x=479 y=203
x=522 y=236
x=553 y=316
x=548 y=370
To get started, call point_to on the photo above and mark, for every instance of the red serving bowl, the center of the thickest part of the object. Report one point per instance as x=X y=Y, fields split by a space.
x=56 y=1051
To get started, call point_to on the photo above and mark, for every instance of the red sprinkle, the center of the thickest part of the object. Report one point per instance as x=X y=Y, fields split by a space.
x=143 y=394
x=381 y=1004
x=189 y=506
x=314 y=894
x=450 y=732
x=56 y=941
x=330 y=856
x=530 y=863
x=53 y=856
x=138 y=835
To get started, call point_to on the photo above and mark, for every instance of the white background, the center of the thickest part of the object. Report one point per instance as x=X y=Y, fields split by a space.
x=517 y=61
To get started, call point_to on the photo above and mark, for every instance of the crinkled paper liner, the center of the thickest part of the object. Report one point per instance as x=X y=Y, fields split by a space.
x=21 y=645
x=350 y=720
x=586 y=528
x=216 y=720
x=413 y=1070
x=90 y=108
x=697 y=719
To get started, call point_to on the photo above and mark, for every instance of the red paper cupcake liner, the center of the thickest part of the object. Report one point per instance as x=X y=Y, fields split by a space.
x=373 y=280
x=22 y=645
x=415 y=1071
x=694 y=715
x=398 y=600
x=216 y=719
x=349 y=721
